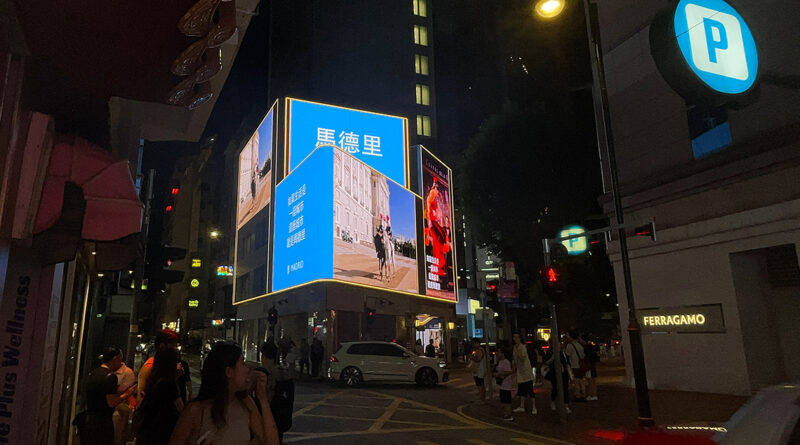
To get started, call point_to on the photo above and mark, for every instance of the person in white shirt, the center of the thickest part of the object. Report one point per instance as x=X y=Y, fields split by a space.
x=122 y=412
x=575 y=353
x=524 y=371
x=505 y=376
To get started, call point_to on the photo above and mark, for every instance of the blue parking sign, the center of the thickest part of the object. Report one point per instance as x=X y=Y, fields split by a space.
x=717 y=44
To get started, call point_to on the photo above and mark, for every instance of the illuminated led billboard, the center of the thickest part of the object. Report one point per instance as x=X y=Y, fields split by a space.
x=378 y=140
x=437 y=224
x=337 y=218
x=254 y=195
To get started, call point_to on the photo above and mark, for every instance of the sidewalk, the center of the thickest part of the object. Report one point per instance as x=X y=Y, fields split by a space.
x=605 y=421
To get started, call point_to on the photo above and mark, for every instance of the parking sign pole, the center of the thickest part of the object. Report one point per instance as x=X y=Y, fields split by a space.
x=634 y=330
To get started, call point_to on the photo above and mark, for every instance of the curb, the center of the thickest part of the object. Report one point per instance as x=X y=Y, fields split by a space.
x=460 y=411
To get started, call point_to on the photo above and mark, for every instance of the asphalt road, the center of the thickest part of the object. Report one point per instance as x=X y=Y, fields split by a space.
x=389 y=414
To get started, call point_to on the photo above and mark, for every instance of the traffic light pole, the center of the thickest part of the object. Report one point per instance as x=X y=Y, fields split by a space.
x=558 y=369
x=634 y=330
x=138 y=275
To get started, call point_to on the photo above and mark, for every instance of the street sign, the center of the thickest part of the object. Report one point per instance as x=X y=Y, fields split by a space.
x=574 y=246
x=478 y=332
x=717 y=44
x=705 y=51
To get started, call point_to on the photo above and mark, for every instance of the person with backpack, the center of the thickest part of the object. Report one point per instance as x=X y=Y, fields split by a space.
x=280 y=389
x=155 y=418
x=578 y=364
x=593 y=358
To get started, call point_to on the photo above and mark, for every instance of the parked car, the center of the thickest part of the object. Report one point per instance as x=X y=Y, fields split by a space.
x=368 y=361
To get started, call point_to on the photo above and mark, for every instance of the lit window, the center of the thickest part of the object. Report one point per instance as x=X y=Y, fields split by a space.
x=421 y=64
x=423 y=125
x=421 y=35
x=423 y=95
x=421 y=8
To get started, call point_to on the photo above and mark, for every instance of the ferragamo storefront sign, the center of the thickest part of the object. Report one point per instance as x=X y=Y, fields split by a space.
x=705 y=318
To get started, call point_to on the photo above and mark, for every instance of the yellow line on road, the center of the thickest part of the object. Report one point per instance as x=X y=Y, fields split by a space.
x=317 y=436
x=313 y=405
x=387 y=414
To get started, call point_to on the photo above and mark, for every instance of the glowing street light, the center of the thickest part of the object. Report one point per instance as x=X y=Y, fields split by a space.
x=214 y=234
x=549 y=8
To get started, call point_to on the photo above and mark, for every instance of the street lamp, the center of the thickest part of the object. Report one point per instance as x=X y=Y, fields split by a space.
x=214 y=234
x=550 y=9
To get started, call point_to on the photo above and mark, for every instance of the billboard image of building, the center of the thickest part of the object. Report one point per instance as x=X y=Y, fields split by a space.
x=255 y=172
x=437 y=223
x=374 y=233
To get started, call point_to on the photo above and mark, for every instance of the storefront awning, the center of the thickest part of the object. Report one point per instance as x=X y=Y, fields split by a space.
x=87 y=195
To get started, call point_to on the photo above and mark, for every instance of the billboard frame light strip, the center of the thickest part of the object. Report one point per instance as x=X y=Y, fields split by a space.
x=347 y=283
x=357 y=160
x=287 y=149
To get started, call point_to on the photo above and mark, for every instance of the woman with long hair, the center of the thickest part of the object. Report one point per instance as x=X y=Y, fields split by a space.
x=223 y=413
x=155 y=418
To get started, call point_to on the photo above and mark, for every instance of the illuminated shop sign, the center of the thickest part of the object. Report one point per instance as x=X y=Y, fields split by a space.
x=194 y=303
x=378 y=140
x=704 y=48
x=702 y=318
x=197 y=262
x=224 y=271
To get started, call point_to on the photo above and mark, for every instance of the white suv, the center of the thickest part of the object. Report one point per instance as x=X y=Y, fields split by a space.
x=357 y=362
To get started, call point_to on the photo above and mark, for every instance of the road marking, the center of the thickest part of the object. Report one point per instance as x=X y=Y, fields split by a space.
x=460 y=418
x=479 y=442
x=526 y=441
x=547 y=440
x=387 y=414
x=316 y=436
x=313 y=405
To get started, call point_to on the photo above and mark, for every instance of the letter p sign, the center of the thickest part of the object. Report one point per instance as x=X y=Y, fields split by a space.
x=717 y=44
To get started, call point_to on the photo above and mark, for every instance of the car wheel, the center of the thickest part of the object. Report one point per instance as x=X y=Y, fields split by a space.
x=351 y=376
x=427 y=377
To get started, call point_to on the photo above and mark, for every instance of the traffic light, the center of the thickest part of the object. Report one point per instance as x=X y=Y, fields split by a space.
x=550 y=276
x=370 y=315
x=170 y=255
x=491 y=289
x=272 y=316
x=648 y=229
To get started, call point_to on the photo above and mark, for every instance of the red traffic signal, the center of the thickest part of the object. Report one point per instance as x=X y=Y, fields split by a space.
x=175 y=190
x=648 y=229
x=549 y=275
x=168 y=208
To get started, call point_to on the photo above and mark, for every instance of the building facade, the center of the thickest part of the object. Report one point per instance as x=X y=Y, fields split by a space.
x=722 y=184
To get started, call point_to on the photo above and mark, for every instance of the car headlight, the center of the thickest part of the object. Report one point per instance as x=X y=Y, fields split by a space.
x=442 y=364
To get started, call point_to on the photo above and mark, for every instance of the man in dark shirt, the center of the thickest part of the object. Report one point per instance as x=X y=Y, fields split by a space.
x=102 y=398
x=430 y=350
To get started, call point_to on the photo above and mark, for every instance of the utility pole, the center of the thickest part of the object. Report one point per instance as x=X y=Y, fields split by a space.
x=555 y=335
x=138 y=276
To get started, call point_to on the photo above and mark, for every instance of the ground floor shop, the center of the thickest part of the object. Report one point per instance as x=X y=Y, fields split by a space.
x=718 y=302
x=336 y=313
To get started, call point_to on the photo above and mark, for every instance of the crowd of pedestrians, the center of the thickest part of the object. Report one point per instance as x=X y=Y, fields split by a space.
x=235 y=405
x=515 y=367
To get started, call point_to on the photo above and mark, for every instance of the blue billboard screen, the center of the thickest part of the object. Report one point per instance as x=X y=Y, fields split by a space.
x=377 y=140
x=303 y=246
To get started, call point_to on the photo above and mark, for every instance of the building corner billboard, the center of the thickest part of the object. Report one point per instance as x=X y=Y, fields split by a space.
x=437 y=221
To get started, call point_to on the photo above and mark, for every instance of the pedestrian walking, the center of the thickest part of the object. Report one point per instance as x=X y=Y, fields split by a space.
x=96 y=425
x=223 y=413
x=524 y=371
x=480 y=367
x=505 y=376
x=577 y=363
x=550 y=374
x=430 y=350
x=317 y=356
x=122 y=413
x=165 y=339
x=593 y=358
x=155 y=418
x=467 y=350
x=304 y=357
